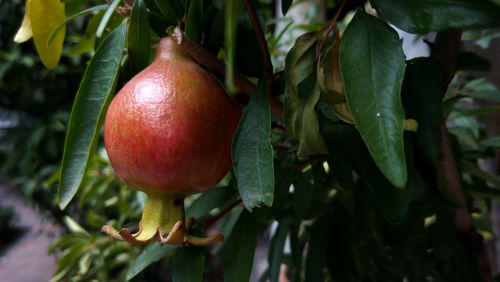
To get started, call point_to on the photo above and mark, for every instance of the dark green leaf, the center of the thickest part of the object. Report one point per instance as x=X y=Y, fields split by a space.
x=472 y=61
x=372 y=64
x=423 y=16
x=152 y=253
x=423 y=94
x=188 y=265
x=301 y=95
x=209 y=200
x=164 y=9
x=491 y=95
x=88 y=113
x=194 y=20
x=240 y=249
x=139 y=37
x=252 y=152
x=392 y=201
x=276 y=250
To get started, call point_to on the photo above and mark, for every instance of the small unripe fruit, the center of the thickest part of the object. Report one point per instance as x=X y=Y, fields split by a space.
x=168 y=132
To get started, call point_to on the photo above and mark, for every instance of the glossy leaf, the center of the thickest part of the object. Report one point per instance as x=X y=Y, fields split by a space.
x=301 y=95
x=139 y=37
x=194 y=20
x=252 y=151
x=372 y=64
x=423 y=16
x=45 y=15
x=240 y=249
x=188 y=265
x=392 y=202
x=151 y=254
x=423 y=94
x=88 y=113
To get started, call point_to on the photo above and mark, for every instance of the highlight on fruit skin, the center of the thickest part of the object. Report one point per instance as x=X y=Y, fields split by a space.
x=168 y=133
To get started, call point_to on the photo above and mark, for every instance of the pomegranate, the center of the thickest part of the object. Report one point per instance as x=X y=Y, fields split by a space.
x=168 y=132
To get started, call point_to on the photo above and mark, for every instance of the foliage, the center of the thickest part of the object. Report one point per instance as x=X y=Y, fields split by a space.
x=356 y=196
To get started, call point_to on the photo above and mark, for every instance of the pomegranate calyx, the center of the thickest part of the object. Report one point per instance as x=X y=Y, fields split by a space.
x=163 y=220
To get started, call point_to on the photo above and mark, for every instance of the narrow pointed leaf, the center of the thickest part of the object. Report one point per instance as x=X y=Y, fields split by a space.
x=70 y=18
x=194 y=20
x=232 y=12
x=372 y=64
x=45 y=15
x=252 y=151
x=188 y=265
x=139 y=37
x=88 y=113
x=423 y=16
x=240 y=249
x=151 y=254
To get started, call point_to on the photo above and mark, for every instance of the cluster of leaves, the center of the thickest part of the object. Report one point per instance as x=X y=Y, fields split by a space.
x=354 y=195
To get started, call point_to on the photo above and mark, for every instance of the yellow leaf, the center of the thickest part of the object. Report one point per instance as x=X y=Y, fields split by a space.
x=45 y=16
x=24 y=32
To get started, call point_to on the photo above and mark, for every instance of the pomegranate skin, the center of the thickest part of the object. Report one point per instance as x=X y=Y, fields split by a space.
x=170 y=128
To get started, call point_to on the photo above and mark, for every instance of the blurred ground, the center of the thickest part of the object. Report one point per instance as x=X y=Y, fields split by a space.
x=26 y=259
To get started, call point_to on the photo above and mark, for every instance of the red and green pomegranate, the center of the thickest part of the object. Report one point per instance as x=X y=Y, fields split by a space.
x=168 y=132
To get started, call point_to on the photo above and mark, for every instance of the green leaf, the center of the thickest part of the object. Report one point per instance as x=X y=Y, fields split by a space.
x=423 y=94
x=392 y=202
x=301 y=95
x=139 y=37
x=372 y=64
x=483 y=191
x=70 y=18
x=188 y=264
x=233 y=10
x=194 y=20
x=88 y=113
x=152 y=253
x=240 y=249
x=423 y=16
x=209 y=200
x=491 y=95
x=252 y=151
x=163 y=10
x=285 y=5
x=107 y=16
x=276 y=250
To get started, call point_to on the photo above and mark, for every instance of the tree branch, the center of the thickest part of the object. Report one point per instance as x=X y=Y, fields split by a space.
x=207 y=59
x=331 y=24
x=261 y=39
x=445 y=50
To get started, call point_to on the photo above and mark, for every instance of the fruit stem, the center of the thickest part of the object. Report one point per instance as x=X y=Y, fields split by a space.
x=161 y=212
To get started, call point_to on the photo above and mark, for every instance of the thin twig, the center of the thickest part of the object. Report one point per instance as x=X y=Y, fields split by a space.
x=261 y=39
x=209 y=222
x=207 y=59
x=331 y=24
